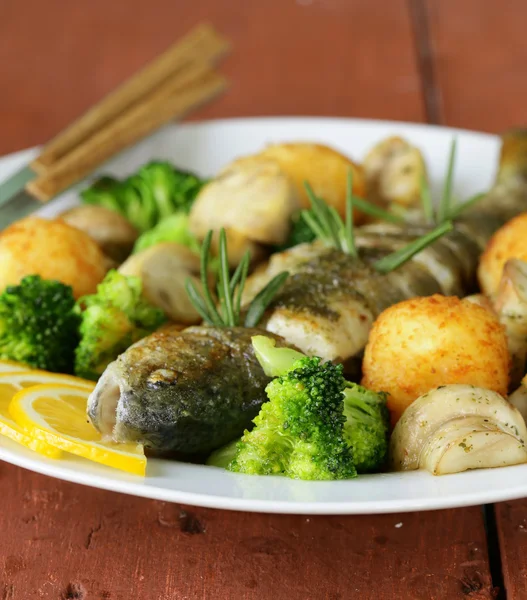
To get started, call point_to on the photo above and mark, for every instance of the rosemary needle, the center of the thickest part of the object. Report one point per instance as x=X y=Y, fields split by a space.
x=396 y=259
x=446 y=199
x=375 y=211
x=214 y=316
x=457 y=210
x=263 y=299
x=349 y=233
x=230 y=289
x=224 y=288
x=426 y=199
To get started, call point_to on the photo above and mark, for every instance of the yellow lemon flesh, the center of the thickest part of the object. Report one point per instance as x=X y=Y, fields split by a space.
x=10 y=366
x=56 y=414
x=10 y=384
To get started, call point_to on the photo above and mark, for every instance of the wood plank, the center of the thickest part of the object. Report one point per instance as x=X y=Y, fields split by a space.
x=291 y=57
x=511 y=522
x=68 y=541
x=340 y=57
x=480 y=55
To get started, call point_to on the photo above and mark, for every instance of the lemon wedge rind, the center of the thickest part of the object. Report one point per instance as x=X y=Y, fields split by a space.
x=12 y=430
x=33 y=408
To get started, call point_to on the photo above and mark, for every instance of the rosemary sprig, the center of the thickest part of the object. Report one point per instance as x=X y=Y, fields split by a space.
x=396 y=259
x=325 y=222
x=448 y=209
x=328 y=226
x=229 y=289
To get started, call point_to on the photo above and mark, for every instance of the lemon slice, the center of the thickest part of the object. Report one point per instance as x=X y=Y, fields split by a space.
x=10 y=384
x=10 y=366
x=56 y=414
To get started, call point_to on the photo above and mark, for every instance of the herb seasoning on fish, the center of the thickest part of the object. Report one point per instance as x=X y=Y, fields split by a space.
x=190 y=392
x=341 y=282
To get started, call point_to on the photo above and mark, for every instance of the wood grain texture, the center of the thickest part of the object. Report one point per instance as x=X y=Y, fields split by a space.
x=511 y=521
x=480 y=53
x=291 y=57
x=65 y=541
x=61 y=541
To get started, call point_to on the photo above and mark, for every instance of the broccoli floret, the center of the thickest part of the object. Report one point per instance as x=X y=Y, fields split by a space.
x=111 y=321
x=316 y=425
x=300 y=431
x=300 y=233
x=38 y=324
x=174 y=228
x=224 y=455
x=367 y=427
x=156 y=191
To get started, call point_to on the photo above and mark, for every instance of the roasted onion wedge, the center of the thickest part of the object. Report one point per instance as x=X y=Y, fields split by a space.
x=455 y=428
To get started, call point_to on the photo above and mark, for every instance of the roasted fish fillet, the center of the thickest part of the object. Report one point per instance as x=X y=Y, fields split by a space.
x=186 y=392
x=330 y=300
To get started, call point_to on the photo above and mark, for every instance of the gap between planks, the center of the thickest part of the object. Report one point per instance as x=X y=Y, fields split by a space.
x=424 y=51
x=432 y=102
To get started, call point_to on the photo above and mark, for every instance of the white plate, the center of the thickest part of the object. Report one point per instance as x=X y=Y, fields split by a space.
x=205 y=147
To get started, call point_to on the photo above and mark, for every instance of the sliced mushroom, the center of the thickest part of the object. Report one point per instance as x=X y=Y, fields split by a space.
x=519 y=398
x=253 y=199
x=112 y=232
x=394 y=169
x=511 y=306
x=164 y=269
x=454 y=428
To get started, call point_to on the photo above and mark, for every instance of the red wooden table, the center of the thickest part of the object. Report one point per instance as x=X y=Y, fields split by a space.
x=455 y=62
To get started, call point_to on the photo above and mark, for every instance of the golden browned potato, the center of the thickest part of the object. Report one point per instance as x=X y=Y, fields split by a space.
x=52 y=249
x=325 y=169
x=423 y=343
x=510 y=241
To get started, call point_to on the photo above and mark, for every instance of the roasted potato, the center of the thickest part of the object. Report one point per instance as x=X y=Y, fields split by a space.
x=423 y=343
x=510 y=241
x=325 y=169
x=54 y=250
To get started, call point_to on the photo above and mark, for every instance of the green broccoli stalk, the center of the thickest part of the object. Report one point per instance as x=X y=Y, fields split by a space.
x=292 y=436
x=38 y=324
x=111 y=321
x=224 y=455
x=156 y=191
x=367 y=427
x=174 y=228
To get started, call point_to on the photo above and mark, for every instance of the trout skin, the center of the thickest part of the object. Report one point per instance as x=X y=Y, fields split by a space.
x=330 y=300
x=185 y=393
